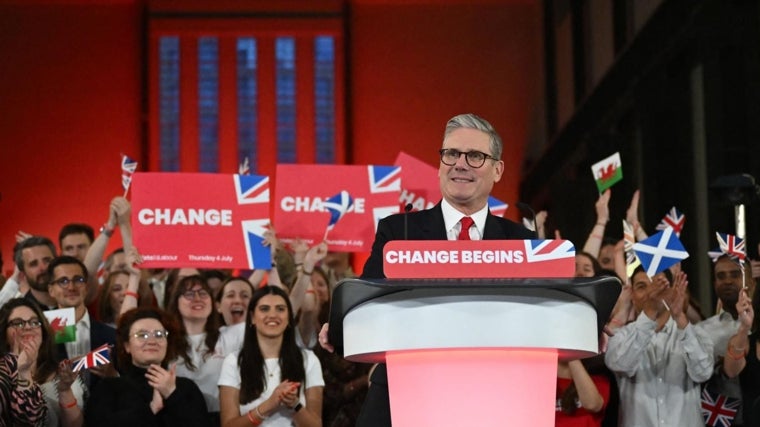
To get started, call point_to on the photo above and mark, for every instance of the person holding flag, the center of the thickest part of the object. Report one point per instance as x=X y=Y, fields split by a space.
x=470 y=165
x=660 y=359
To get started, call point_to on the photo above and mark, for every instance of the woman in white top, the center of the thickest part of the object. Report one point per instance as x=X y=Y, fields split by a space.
x=271 y=382
x=199 y=360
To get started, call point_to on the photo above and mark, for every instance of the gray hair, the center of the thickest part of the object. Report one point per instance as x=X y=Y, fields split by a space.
x=472 y=121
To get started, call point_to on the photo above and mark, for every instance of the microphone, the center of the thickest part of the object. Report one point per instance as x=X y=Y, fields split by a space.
x=407 y=208
x=526 y=208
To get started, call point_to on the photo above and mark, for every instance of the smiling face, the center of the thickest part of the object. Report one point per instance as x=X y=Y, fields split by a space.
x=194 y=302
x=236 y=295
x=72 y=293
x=464 y=187
x=27 y=332
x=270 y=316
x=145 y=352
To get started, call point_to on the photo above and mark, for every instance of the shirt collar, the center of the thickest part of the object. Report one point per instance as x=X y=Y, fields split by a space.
x=451 y=216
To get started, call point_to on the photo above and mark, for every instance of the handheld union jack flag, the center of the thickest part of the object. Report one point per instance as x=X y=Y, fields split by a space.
x=732 y=246
x=718 y=410
x=99 y=356
x=674 y=219
x=660 y=251
x=128 y=167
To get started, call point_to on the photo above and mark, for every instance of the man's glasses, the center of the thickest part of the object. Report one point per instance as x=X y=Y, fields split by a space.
x=474 y=159
x=723 y=275
x=201 y=293
x=64 y=282
x=146 y=335
x=21 y=324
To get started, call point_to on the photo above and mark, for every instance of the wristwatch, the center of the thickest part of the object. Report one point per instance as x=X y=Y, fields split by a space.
x=298 y=407
x=105 y=230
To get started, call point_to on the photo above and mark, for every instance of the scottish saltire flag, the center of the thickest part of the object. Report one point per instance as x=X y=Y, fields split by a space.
x=128 y=167
x=631 y=260
x=63 y=324
x=674 y=219
x=660 y=251
x=718 y=410
x=244 y=168
x=496 y=206
x=607 y=172
x=546 y=250
x=732 y=246
x=338 y=205
x=98 y=357
x=384 y=179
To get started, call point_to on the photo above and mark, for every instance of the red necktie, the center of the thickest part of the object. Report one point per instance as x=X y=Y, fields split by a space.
x=464 y=233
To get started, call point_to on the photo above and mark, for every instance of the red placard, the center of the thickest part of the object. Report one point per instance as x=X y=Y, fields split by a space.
x=200 y=220
x=302 y=190
x=456 y=259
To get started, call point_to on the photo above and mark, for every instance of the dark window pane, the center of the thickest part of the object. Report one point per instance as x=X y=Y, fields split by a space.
x=208 y=103
x=247 y=92
x=285 y=53
x=324 y=98
x=168 y=109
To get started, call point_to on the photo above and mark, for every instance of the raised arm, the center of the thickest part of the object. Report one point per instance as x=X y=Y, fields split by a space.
x=632 y=216
x=594 y=240
x=738 y=344
x=131 y=295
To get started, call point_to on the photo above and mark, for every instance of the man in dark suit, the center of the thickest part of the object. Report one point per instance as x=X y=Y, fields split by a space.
x=470 y=165
x=68 y=287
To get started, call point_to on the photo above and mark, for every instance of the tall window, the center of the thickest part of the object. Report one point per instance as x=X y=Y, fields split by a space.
x=220 y=95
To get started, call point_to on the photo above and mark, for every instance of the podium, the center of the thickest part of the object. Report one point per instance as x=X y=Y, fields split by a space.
x=471 y=352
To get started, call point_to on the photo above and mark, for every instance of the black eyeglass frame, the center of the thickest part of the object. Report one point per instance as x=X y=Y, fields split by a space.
x=471 y=157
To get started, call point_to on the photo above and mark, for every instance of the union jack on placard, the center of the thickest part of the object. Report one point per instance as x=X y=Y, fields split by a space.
x=550 y=249
x=97 y=357
x=732 y=246
x=384 y=179
x=258 y=255
x=251 y=189
x=674 y=219
x=718 y=410
x=496 y=206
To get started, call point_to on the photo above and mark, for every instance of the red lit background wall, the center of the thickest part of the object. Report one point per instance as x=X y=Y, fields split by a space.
x=71 y=95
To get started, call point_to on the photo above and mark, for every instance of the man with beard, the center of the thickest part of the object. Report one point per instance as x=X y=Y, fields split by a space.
x=728 y=284
x=29 y=280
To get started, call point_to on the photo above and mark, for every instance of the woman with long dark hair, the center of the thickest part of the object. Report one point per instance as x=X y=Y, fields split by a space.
x=271 y=381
